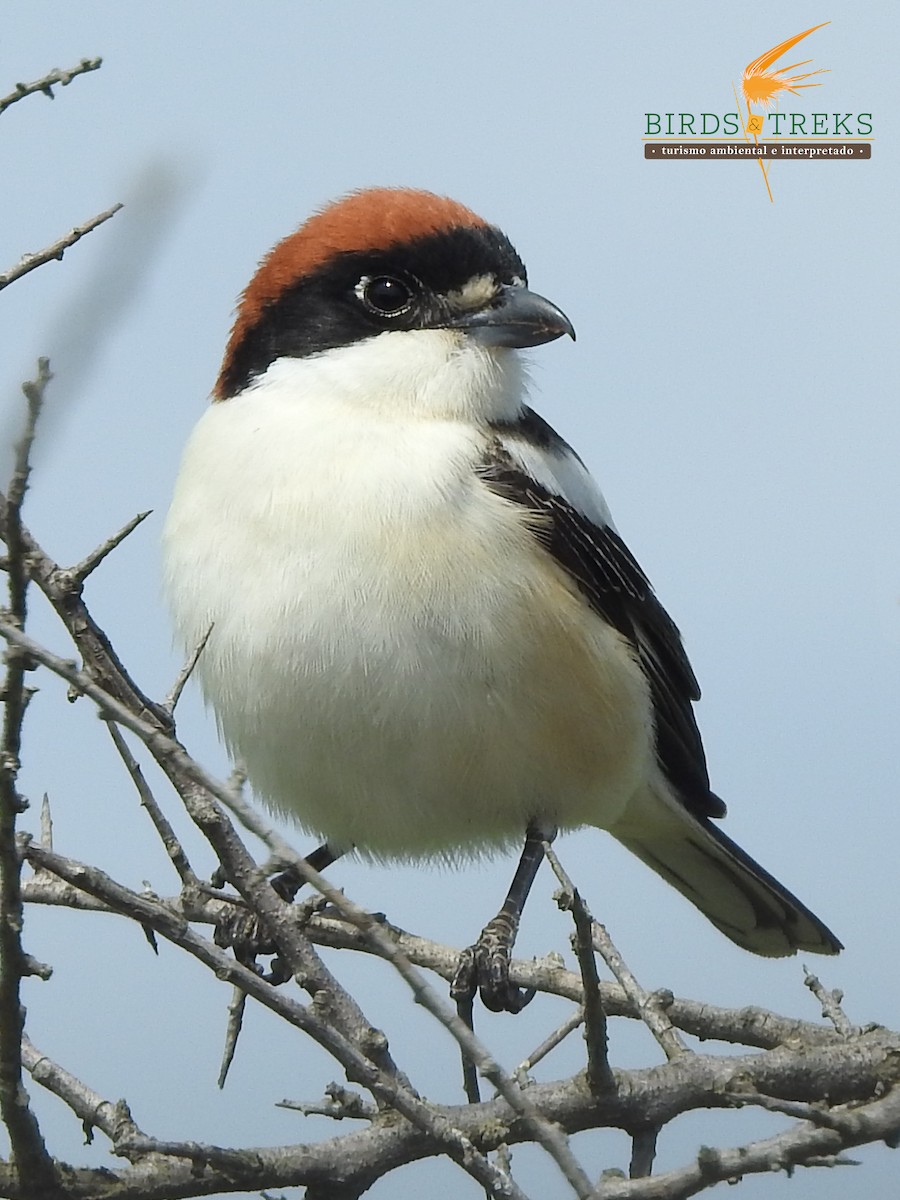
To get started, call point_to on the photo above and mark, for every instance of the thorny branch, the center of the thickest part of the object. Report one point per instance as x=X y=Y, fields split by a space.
x=174 y=695
x=199 y=792
x=46 y=83
x=30 y=1158
x=750 y=1026
x=91 y=1109
x=63 y=589
x=655 y=1095
x=598 y=1074
x=837 y=1084
x=831 y=1003
x=79 y=573
x=166 y=833
x=56 y=250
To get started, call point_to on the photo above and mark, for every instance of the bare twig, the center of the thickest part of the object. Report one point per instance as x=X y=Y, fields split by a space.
x=804 y=1144
x=45 y=888
x=33 y=1163
x=46 y=83
x=34 y=391
x=173 y=846
x=63 y=590
x=831 y=1004
x=599 y=1075
x=174 y=694
x=649 y=1004
x=92 y=1110
x=228 y=1161
x=340 y=1104
x=549 y=1043
x=80 y=571
x=818 y=1114
x=465 y=1010
x=46 y=823
x=17 y=567
x=236 y=1007
x=56 y=250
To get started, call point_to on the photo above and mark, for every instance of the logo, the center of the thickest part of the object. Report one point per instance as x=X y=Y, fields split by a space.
x=759 y=130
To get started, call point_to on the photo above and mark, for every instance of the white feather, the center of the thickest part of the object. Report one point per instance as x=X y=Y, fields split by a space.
x=395 y=660
x=559 y=469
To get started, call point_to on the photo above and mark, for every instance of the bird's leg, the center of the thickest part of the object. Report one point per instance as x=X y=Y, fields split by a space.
x=287 y=885
x=484 y=967
x=289 y=882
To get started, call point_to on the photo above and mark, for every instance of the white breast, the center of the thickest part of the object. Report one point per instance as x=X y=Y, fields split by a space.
x=394 y=660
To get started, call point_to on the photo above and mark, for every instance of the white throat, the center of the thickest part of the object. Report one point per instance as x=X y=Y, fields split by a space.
x=435 y=373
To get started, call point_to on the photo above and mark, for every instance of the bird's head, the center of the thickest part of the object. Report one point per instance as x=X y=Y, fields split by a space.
x=386 y=263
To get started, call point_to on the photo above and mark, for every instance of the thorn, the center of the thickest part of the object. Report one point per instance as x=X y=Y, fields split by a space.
x=184 y=675
x=80 y=571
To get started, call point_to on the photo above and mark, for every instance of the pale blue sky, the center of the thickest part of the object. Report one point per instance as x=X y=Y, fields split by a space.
x=732 y=387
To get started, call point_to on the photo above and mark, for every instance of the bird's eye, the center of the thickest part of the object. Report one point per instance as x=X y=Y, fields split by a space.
x=385 y=295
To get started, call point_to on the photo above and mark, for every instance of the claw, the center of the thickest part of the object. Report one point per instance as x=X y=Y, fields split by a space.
x=484 y=968
x=465 y=983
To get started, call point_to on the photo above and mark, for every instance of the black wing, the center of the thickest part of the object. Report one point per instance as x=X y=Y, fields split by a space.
x=618 y=590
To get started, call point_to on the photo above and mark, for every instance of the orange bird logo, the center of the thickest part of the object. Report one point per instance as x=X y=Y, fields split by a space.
x=762 y=86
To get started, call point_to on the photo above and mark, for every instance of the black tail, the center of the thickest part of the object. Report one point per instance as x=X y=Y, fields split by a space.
x=740 y=898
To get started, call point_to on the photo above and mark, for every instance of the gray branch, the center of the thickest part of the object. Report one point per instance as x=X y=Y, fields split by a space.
x=30 y=1158
x=45 y=85
x=56 y=250
x=751 y=1025
x=797 y=1075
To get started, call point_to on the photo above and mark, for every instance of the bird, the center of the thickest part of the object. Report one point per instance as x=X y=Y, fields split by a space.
x=426 y=637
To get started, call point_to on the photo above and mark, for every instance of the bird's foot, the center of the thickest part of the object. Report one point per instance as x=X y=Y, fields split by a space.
x=246 y=936
x=484 y=968
x=287 y=884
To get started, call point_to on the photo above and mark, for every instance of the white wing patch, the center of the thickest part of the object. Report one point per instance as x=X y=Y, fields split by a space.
x=559 y=469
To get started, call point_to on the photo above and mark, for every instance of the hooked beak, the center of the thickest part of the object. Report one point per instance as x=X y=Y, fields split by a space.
x=516 y=318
